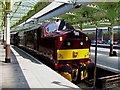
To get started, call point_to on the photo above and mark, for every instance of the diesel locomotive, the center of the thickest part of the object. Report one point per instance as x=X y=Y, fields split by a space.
x=64 y=47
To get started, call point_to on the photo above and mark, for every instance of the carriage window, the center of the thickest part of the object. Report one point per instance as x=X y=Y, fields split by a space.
x=51 y=27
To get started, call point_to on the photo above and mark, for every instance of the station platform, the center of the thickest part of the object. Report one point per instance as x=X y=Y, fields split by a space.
x=104 y=61
x=26 y=72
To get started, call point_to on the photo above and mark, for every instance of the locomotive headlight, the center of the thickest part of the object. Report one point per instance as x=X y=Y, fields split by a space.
x=86 y=38
x=61 y=38
x=68 y=43
x=81 y=43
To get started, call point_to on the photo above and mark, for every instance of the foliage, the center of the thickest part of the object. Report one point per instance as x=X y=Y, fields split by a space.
x=105 y=12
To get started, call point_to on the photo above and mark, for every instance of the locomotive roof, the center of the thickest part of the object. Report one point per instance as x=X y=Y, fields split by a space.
x=38 y=25
x=35 y=27
x=64 y=23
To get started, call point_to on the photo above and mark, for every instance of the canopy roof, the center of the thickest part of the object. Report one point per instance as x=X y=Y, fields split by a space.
x=105 y=13
x=21 y=10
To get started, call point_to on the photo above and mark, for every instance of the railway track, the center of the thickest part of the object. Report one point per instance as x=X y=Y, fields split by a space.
x=106 y=80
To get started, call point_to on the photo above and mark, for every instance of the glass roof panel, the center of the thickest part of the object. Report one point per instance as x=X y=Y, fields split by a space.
x=14 y=19
x=20 y=9
x=18 y=14
x=25 y=4
x=31 y=3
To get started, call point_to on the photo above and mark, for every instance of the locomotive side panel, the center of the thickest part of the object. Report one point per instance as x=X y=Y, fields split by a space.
x=47 y=46
x=12 y=39
x=30 y=39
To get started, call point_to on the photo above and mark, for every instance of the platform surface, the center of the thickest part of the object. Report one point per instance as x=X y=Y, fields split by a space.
x=25 y=71
x=110 y=63
x=11 y=75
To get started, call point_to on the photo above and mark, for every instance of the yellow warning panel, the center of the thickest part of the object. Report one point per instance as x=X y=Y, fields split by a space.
x=71 y=54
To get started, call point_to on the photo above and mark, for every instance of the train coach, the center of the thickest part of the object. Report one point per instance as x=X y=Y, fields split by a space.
x=64 y=47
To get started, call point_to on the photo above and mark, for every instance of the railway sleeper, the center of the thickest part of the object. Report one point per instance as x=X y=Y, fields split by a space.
x=108 y=82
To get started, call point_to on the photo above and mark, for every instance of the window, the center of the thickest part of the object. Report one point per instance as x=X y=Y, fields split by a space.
x=62 y=25
x=51 y=27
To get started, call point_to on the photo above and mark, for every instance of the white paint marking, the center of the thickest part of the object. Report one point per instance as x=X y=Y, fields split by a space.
x=109 y=68
x=28 y=55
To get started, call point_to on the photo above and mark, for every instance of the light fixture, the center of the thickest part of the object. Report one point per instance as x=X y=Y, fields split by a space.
x=81 y=43
x=68 y=43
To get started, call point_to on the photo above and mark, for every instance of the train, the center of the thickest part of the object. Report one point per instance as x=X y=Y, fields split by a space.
x=59 y=43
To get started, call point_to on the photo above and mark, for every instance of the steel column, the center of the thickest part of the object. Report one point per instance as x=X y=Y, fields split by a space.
x=8 y=10
x=94 y=84
x=112 y=53
x=111 y=40
x=7 y=59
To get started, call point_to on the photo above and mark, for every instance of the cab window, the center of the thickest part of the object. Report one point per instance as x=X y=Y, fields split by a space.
x=51 y=27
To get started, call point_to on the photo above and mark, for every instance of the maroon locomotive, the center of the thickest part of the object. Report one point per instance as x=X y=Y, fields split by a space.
x=66 y=48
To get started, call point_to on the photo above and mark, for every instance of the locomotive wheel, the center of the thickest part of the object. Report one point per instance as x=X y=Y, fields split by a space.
x=90 y=70
x=78 y=77
x=81 y=74
x=65 y=73
x=74 y=75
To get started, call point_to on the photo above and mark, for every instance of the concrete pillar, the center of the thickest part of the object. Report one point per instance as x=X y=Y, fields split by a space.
x=7 y=59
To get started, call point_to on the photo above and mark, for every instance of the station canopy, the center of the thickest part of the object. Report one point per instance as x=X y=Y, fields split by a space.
x=21 y=10
x=82 y=17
